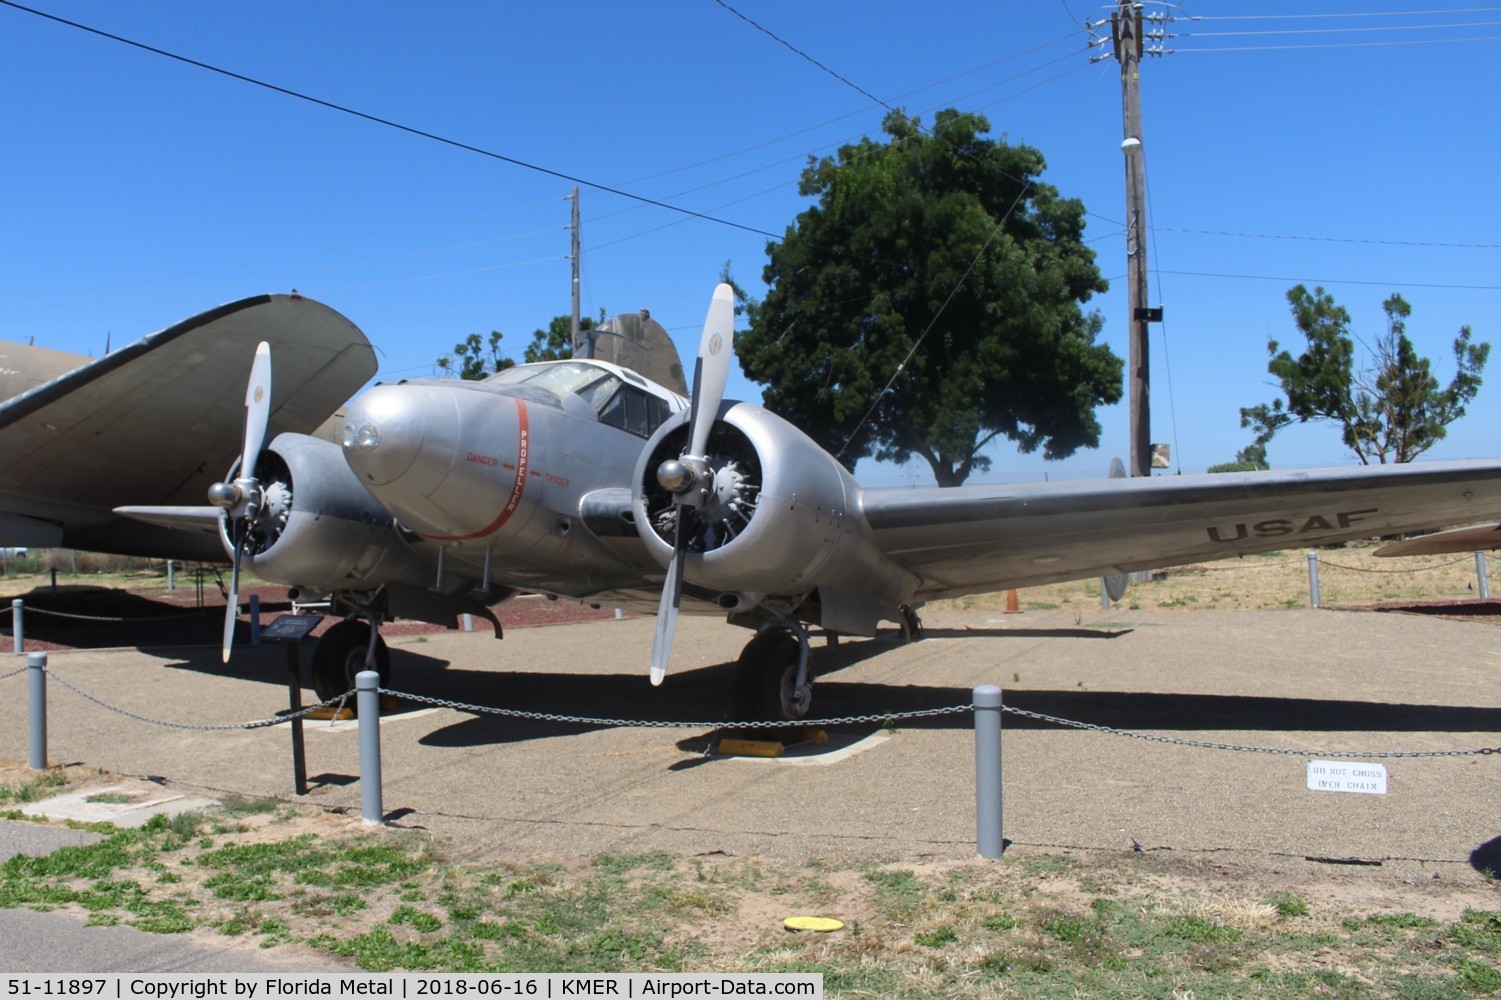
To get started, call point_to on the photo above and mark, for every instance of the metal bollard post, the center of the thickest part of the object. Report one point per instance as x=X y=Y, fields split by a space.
x=468 y=622
x=1313 y=579
x=171 y=575
x=16 y=628
x=1480 y=574
x=255 y=619
x=367 y=704
x=36 y=678
x=987 y=704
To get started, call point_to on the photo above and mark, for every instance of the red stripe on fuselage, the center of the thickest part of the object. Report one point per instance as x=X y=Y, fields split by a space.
x=523 y=445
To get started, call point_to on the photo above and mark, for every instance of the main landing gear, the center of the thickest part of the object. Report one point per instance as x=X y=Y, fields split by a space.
x=343 y=652
x=773 y=682
x=774 y=675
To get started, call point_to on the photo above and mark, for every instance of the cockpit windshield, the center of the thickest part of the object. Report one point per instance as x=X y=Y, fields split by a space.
x=594 y=385
x=627 y=407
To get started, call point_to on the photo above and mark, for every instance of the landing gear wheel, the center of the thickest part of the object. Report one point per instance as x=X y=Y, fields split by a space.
x=340 y=654
x=766 y=680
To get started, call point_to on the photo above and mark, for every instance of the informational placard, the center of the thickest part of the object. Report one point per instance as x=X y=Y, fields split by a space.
x=290 y=628
x=1347 y=776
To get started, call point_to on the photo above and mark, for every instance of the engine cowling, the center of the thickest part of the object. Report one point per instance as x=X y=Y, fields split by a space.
x=318 y=529
x=781 y=518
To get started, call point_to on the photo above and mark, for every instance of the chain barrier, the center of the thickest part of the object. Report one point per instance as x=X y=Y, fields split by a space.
x=848 y=720
x=1211 y=745
x=197 y=726
x=883 y=719
x=30 y=610
x=14 y=673
x=1325 y=564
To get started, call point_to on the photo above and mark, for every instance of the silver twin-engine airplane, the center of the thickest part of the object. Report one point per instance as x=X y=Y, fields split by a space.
x=602 y=481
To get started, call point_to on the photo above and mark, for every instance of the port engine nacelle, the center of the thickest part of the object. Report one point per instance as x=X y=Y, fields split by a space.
x=317 y=528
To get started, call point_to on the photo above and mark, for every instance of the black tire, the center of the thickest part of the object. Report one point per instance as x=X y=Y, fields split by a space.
x=340 y=654
x=765 y=677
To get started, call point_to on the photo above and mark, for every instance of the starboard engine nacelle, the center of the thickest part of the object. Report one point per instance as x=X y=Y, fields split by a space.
x=779 y=516
x=317 y=528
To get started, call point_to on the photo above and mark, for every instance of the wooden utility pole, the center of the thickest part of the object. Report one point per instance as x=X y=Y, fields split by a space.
x=584 y=351
x=1126 y=33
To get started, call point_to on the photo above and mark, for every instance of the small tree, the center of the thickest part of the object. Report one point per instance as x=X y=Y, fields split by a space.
x=473 y=360
x=1251 y=458
x=1393 y=410
x=555 y=343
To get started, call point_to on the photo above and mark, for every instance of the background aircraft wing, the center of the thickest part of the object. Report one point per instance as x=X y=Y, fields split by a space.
x=981 y=538
x=158 y=421
x=1472 y=538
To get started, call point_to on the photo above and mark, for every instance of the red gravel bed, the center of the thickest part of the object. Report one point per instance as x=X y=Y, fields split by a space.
x=100 y=618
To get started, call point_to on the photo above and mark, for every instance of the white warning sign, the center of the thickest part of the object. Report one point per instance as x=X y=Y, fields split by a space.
x=1346 y=776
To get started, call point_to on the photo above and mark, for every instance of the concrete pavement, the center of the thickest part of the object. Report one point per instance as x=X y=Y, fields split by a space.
x=505 y=788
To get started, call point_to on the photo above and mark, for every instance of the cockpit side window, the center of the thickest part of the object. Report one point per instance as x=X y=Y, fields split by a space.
x=635 y=411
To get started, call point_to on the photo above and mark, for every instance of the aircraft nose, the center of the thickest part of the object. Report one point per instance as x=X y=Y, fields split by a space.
x=390 y=429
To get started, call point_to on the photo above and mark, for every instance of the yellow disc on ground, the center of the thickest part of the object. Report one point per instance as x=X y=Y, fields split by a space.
x=823 y=924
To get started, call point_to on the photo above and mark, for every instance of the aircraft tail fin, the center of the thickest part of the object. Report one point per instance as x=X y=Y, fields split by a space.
x=638 y=342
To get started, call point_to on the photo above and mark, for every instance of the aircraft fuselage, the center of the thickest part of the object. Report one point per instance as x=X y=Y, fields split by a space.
x=499 y=472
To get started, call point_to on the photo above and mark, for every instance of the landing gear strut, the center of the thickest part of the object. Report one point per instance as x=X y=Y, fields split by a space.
x=341 y=653
x=912 y=626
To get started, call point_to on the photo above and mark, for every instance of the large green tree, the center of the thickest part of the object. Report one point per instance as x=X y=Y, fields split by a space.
x=931 y=302
x=1394 y=409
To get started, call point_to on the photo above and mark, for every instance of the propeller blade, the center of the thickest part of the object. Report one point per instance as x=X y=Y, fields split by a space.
x=257 y=408
x=672 y=599
x=716 y=348
x=232 y=609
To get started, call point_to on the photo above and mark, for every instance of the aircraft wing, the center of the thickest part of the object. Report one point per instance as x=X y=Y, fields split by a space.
x=158 y=421
x=974 y=539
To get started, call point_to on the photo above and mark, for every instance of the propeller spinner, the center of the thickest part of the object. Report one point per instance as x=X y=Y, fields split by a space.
x=689 y=477
x=240 y=499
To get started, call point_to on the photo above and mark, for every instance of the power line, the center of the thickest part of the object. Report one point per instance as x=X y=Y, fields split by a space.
x=799 y=52
x=1334 y=31
x=1373 y=13
x=1322 y=45
x=388 y=123
x=1338 y=281
x=1328 y=239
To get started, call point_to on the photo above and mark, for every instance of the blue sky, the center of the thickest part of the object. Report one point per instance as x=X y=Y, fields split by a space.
x=1353 y=149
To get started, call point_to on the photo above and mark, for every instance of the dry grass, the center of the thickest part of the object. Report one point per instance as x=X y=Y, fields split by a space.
x=1348 y=575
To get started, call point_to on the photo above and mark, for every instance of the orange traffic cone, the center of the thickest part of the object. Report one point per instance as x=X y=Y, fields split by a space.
x=1012 y=606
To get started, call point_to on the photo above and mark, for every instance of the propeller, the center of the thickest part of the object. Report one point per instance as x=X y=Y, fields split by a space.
x=689 y=477
x=241 y=499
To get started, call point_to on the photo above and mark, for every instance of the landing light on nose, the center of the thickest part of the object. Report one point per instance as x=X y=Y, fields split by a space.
x=366 y=437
